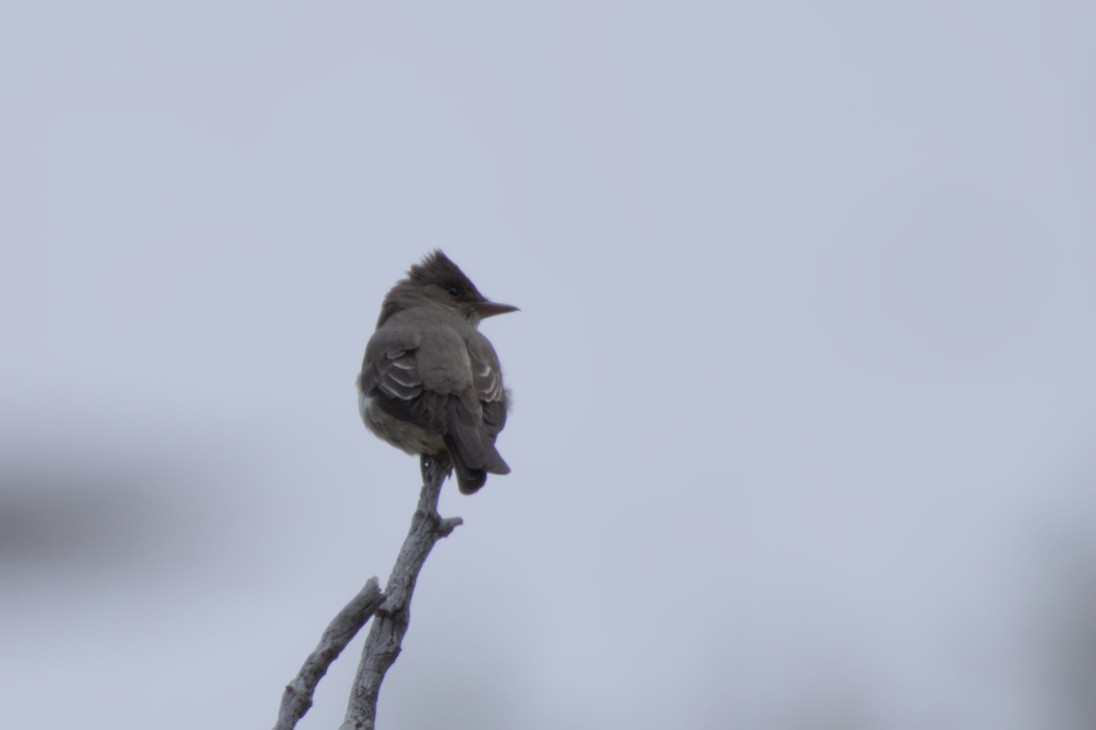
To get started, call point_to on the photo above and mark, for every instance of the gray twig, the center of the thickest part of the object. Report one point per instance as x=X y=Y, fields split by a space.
x=382 y=646
x=297 y=698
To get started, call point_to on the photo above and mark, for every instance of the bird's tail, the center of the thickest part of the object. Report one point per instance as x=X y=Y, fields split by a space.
x=469 y=478
x=473 y=453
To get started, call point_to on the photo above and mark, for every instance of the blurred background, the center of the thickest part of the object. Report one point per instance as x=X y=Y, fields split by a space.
x=804 y=418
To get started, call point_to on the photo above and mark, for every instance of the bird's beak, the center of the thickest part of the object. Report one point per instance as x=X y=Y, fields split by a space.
x=490 y=309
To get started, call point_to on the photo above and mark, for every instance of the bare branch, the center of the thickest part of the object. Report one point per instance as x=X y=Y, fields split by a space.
x=386 y=635
x=297 y=698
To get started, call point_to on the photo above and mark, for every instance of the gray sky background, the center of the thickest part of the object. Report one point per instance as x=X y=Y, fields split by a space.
x=804 y=407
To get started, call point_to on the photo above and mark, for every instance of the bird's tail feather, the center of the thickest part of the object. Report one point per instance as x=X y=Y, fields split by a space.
x=472 y=451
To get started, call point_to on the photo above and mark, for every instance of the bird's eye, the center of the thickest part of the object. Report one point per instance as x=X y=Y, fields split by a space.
x=453 y=291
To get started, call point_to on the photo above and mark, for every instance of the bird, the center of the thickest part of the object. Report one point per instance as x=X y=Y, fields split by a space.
x=431 y=383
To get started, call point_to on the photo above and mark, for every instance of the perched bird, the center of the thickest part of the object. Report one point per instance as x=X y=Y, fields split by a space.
x=430 y=382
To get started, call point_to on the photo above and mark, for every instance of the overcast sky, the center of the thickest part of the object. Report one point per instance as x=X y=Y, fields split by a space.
x=804 y=410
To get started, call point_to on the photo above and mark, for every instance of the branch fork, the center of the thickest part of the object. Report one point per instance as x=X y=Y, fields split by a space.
x=390 y=610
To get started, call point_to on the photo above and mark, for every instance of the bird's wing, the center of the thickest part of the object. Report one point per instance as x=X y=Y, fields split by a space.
x=476 y=413
x=391 y=376
x=487 y=381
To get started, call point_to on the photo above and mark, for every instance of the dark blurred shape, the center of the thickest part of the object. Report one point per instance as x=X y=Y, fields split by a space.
x=1067 y=623
x=93 y=517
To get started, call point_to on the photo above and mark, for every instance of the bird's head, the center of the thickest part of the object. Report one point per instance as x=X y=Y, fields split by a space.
x=438 y=280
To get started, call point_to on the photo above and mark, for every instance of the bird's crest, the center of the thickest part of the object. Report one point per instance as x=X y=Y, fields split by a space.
x=436 y=268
